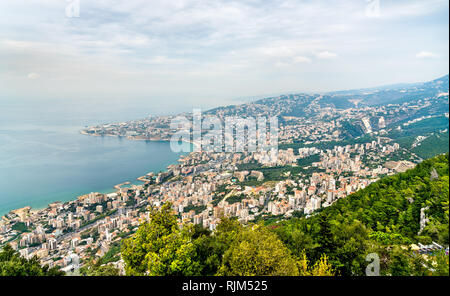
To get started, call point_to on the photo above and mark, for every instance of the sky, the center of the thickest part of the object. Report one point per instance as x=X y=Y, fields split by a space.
x=171 y=56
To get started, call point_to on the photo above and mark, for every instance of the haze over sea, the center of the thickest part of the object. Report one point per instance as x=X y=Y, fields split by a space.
x=44 y=158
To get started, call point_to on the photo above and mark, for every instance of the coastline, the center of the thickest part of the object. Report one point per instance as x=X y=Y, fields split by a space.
x=111 y=189
x=137 y=139
x=73 y=198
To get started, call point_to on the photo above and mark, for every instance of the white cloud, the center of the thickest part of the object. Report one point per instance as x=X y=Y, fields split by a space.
x=426 y=55
x=281 y=64
x=409 y=8
x=144 y=48
x=326 y=55
x=300 y=59
x=33 y=76
x=279 y=51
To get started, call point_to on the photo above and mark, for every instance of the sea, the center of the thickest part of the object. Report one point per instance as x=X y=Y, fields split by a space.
x=44 y=158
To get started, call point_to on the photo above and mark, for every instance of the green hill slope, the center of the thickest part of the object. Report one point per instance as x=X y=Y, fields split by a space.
x=378 y=218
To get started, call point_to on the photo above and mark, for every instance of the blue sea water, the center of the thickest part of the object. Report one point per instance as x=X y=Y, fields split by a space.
x=44 y=158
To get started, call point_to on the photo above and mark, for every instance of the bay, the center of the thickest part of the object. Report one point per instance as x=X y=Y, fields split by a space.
x=44 y=158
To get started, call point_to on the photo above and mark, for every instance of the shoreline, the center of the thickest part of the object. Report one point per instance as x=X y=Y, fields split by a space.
x=137 y=139
x=113 y=189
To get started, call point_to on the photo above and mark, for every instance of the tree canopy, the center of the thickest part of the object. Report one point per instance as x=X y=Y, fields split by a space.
x=160 y=247
x=12 y=264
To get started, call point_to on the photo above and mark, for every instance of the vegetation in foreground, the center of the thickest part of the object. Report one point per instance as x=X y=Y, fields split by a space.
x=12 y=264
x=160 y=247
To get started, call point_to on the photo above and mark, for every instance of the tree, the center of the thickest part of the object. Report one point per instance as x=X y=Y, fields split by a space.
x=12 y=264
x=350 y=247
x=399 y=263
x=325 y=237
x=439 y=264
x=258 y=252
x=210 y=248
x=160 y=247
x=321 y=268
x=297 y=237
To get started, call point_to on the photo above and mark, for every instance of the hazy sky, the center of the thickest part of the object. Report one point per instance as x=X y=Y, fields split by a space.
x=180 y=53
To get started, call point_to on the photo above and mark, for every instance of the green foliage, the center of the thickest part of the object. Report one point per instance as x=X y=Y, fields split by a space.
x=386 y=238
x=433 y=145
x=401 y=261
x=248 y=166
x=307 y=161
x=257 y=251
x=112 y=255
x=321 y=268
x=160 y=247
x=235 y=198
x=20 y=226
x=99 y=217
x=436 y=142
x=277 y=173
x=439 y=264
x=385 y=214
x=352 y=130
x=211 y=247
x=197 y=209
x=393 y=204
x=92 y=268
x=230 y=250
x=12 y=264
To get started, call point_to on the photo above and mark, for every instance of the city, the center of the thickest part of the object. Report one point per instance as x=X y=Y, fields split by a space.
x=205 y=186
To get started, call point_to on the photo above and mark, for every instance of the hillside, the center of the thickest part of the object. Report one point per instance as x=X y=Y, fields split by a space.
x=392 y=94
x=304 y=104
x=383 y=218
x=383 y=215
x=409 y=112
